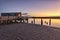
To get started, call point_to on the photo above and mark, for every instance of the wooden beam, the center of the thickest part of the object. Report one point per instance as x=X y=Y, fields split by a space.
x=41 y=21
x=46 y=17
x=50 y=21
x=34 y=20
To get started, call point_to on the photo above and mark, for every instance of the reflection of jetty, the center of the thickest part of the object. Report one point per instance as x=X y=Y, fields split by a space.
x=17 y=17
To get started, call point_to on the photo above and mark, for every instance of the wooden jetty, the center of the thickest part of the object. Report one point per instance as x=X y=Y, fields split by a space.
x=52 y=17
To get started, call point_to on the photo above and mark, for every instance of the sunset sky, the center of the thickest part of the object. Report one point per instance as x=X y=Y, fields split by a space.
x=33 y=7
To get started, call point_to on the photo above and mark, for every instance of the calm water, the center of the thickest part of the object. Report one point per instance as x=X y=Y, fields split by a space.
x=54 y=22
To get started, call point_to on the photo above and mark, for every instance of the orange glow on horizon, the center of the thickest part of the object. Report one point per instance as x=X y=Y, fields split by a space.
x=52 y=11
x=45 y=13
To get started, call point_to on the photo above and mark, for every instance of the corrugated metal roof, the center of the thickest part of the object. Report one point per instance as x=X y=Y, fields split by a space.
x=10 y=14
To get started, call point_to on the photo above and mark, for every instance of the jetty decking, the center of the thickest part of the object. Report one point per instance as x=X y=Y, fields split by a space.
x=25 y=31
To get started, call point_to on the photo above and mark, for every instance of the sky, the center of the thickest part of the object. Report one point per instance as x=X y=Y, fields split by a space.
x=32 y=7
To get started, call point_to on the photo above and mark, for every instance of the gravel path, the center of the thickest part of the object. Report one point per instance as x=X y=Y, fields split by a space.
x=25 y=31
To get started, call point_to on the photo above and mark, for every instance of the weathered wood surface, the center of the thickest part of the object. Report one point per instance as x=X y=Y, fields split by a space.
x=25 y=31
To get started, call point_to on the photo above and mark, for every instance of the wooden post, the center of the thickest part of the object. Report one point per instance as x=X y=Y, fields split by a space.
x=0 y=19
x=27 y=20
x=34 y=20
x=50 y=21
x=41 y=21
x=7 y=21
